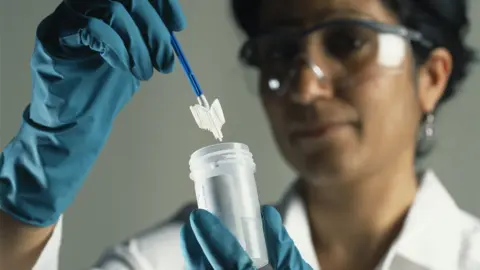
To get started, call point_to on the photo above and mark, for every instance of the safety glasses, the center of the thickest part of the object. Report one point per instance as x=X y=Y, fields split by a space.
x=337 y=48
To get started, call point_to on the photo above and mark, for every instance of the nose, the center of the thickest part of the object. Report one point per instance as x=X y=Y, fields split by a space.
x=310 y=84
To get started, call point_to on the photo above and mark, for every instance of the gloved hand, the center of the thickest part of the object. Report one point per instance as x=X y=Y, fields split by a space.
x=208 y=244
x=88 y=61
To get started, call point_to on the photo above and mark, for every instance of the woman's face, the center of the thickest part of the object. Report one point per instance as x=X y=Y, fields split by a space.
x=338 y=130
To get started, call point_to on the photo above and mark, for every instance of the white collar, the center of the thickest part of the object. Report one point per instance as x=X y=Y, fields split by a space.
x=433 y=217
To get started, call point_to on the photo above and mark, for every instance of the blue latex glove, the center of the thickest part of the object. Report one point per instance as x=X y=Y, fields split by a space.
x=208 y=244
x=88 y=61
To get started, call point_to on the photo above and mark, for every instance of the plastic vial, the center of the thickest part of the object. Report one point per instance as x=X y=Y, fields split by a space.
x=225 y=186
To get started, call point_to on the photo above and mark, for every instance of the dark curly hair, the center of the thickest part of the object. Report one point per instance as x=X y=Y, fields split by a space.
x=444 y=22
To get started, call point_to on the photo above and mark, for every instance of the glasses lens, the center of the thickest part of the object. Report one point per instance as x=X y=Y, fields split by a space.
x=338 y=51
x=358 y=47
x=352 y=46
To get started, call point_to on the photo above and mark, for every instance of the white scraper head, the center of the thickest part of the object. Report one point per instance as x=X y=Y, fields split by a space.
x=209 y=118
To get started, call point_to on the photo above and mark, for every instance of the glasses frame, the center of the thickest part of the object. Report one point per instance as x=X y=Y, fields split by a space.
x=247 y=51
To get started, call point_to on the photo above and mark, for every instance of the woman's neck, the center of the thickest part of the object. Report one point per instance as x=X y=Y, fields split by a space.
x=353 y=224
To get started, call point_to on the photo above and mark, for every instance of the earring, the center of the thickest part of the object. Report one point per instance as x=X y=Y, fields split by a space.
x=429 y=128
x=426 y=139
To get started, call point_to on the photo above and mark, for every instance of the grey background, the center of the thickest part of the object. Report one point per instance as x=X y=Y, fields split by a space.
x=141 y=176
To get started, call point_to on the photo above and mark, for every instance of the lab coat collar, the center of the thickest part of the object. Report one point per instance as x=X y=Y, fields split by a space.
x=431 y=230
x=432 y=218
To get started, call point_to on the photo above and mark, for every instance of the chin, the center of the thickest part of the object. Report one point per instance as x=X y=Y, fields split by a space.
x=328 y=166
x=332 y=158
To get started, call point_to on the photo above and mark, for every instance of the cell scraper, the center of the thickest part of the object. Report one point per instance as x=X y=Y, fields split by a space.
x=208 y=117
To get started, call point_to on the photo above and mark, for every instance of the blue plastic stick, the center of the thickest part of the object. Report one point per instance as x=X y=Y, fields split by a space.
x=186 y=67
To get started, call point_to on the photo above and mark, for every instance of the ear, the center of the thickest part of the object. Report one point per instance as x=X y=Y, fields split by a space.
x=433 y=78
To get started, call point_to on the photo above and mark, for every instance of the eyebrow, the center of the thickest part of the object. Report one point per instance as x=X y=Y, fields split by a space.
x=318 y=17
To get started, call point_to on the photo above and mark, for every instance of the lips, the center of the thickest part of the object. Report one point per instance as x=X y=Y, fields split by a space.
x=315 y=132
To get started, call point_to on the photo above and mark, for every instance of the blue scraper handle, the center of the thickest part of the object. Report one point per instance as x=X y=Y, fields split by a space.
x=186 y=67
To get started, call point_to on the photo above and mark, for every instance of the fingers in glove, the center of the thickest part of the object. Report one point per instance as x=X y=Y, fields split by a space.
x=122 y=22
x=282 y=252
x=110 y=30
x=192 y=251
x=171 y=13
x=100 y=37
x=155 y=32
x=219 y=245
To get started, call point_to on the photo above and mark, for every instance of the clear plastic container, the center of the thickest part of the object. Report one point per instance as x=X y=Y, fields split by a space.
x=225 y=186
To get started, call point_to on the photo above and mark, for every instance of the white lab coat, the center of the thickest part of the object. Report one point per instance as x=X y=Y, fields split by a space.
x=437 y=235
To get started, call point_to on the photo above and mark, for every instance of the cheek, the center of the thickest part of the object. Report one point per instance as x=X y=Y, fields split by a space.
x=274 y=112
x=388 y=110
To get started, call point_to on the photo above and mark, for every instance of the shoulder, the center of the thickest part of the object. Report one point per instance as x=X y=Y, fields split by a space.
x=469 y=253
x=158 y=247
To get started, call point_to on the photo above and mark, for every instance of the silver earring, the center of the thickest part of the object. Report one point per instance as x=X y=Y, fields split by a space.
x=429 y=128
x=427 y=135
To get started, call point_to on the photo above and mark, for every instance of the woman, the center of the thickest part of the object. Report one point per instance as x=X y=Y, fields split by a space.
x=347 y=86
x=346 y=105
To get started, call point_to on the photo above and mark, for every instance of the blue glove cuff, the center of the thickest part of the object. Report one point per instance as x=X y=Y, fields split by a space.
x=42 y=169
